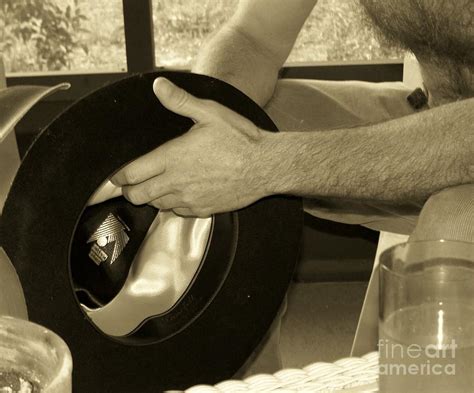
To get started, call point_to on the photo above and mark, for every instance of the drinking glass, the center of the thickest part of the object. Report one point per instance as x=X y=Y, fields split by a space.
x=426 y=317
x=33 y=359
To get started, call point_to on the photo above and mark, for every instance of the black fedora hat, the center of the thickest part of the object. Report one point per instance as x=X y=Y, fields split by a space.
x=236 y=292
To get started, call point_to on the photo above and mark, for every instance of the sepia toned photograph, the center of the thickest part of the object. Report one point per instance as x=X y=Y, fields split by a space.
x=236 y=196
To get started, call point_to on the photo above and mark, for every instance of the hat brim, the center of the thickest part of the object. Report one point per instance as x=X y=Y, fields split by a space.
x=64 y=167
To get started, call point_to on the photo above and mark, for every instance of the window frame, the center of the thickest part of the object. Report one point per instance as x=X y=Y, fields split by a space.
x=140 y=58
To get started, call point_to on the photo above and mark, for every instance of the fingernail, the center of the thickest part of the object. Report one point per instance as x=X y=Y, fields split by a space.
x=162 y=85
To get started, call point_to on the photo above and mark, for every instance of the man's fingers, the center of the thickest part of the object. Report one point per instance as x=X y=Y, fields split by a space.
x=106 y=191
x=154 y=163
x=184 y=212
x=192 y=212
x=179 y=101
x=166 y=202
x=142 y=169
x=147 y=191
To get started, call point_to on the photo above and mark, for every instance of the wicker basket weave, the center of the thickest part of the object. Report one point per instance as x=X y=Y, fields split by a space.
x=345 y=375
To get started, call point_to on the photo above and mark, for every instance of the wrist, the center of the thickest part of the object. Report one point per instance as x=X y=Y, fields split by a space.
x=273 y=164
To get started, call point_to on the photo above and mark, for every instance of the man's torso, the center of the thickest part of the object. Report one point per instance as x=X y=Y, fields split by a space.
x=440 y=34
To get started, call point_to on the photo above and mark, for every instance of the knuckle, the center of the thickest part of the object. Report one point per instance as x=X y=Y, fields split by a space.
x=148 y=192
x=130 y=176
x=189 y=197
x=214 y=107
x=132 y=195
x=186 y=199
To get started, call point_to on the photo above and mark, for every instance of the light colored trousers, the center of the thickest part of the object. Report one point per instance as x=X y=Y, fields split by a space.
x=309 y=105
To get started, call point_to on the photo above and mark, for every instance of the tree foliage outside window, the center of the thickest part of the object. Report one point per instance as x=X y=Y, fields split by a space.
x=181 y=26
x=38 y=34
x=336 y=31
x=88 y=35
x=62 y=35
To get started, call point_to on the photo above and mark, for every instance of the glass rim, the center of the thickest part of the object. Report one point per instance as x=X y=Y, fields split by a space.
x=22 y=329
x=384 y=255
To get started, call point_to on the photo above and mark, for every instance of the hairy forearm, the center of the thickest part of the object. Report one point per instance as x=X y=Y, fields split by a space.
x=234 y=57
x=405 y=159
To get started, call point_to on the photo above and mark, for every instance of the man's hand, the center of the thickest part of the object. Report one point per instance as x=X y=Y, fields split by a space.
x=215 y=167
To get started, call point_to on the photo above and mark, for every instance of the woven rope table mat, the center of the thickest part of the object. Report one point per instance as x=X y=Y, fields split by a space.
x=348 y=375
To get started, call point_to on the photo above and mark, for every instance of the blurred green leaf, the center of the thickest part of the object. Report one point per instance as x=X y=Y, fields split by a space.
x=42 y=33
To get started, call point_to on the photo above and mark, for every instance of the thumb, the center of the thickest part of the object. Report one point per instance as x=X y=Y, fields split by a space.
x=178 y=100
